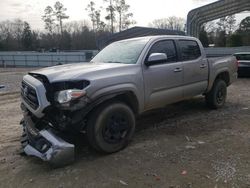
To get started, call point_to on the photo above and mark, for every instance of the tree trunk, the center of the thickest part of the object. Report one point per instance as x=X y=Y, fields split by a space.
x=120 y=21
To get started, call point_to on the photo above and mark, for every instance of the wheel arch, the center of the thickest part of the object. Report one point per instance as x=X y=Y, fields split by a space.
x=224 y=75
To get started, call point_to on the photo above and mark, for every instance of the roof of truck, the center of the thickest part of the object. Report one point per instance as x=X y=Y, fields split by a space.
x=159 y=37
x=133 y=32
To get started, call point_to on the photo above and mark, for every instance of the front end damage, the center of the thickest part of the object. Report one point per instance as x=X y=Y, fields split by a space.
x=47 y=124
x=45 y=144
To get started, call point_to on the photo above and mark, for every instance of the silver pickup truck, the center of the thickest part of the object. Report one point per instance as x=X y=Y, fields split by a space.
x=101 y=98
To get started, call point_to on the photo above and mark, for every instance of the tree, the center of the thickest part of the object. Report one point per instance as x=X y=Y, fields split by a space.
x=176 y=23
x=203 y=37
x=124 y=16
x=160 y=23
x=227 y=24
x=111 y=14
x=27 y=36
x=172 y=23
x=221 y=39
x=48 y=19
x=235 y=40
x=244 y=31
x=245 y=25
x=100 y=25
x=60 y=14
x=91 y=9
x=95 y=17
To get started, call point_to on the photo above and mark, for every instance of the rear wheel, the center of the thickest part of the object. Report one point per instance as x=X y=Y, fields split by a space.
x=111 y=127
x=216 y=98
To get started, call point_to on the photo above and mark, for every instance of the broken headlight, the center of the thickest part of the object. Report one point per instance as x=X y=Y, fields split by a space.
x=66 y=96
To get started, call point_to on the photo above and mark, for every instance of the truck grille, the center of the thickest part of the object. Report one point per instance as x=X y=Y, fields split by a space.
x=29 y=95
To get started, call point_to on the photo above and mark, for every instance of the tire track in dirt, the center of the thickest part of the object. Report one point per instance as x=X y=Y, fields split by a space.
x=7 y=98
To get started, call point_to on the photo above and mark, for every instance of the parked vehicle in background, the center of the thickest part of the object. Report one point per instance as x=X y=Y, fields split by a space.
x=243 y=59
x=102 y=98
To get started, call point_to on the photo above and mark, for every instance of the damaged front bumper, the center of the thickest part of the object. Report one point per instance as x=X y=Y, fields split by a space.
x=46 y=145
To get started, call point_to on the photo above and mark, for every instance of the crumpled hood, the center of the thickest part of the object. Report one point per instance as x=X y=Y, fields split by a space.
x=74 y=71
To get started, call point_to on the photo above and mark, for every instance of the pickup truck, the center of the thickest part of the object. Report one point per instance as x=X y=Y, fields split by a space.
x=100 y=99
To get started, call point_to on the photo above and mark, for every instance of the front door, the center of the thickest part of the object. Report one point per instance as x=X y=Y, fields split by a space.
x=163 y=81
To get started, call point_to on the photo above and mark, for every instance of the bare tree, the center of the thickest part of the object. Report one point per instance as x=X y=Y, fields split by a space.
x=76 y=26
x=176 y=23
x=172 y=23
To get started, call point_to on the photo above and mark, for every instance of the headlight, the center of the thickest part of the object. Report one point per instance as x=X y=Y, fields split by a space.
x=69 y=95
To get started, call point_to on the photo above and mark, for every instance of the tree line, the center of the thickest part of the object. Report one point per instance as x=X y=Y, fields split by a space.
x=226 y=33
x=114 y=16
x=17 y=35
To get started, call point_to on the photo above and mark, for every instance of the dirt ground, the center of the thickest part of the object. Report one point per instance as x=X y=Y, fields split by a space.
x=183 y=145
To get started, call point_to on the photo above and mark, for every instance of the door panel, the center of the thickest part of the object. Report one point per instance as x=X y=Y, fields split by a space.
x=163 y=85
x=163 y=81
x=195 y=69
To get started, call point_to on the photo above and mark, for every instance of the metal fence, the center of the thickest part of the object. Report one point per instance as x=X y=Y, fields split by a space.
x=219 y=52
x=36 y=59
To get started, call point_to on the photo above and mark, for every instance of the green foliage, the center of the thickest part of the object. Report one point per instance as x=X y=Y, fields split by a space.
x=245 y=25
x=227 y=34
x=235 y=40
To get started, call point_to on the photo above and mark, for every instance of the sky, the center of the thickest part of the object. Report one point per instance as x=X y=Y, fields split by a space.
x=144 y=11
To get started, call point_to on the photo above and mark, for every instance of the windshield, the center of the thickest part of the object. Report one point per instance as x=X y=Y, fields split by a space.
x=126 y=52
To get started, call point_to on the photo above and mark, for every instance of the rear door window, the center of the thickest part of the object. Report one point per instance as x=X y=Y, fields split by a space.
x=190 y=50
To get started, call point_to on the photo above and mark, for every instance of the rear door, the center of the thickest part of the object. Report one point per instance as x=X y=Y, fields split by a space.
x=163 y=81
x=195 y=68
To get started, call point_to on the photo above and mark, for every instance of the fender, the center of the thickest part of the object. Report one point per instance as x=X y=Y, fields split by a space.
x=80 y=115
x=120 y=89
x=215 y=75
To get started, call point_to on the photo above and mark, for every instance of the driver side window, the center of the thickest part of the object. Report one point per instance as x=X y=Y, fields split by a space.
x=167 y=47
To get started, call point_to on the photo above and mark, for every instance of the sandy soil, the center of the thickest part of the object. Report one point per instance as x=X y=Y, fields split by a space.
x=183 y=145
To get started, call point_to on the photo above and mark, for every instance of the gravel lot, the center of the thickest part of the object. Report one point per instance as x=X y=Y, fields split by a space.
x=182 y=145
x=11 y=78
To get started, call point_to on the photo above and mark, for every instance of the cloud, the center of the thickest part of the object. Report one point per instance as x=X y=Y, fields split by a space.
x=16 y=5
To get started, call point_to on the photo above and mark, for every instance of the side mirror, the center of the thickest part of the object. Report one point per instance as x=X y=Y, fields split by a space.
x=156 y=58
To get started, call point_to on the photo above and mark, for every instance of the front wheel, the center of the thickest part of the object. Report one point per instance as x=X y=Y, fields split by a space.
x=216 y=98
x=110 y=127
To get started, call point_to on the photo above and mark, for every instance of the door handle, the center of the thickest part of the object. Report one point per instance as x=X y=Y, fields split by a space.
x=178 y=70
x=203 y=66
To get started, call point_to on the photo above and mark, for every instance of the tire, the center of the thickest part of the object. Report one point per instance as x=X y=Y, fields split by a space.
x=110 y=127
x=216 y=98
